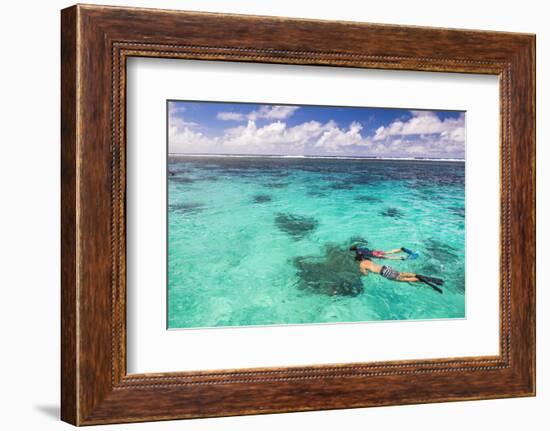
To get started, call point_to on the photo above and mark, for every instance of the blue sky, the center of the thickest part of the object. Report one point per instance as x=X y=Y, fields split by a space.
x=247 y=128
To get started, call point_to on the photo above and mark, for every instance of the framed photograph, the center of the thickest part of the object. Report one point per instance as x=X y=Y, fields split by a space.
x=263 y=214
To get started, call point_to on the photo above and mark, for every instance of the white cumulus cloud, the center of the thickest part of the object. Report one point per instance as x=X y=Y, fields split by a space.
x=421 y=123
x=184 y=136
x=424 y=134
x=230 y=116
x=334 y=138
x=274 y=112
x=278 y=138
x=267 y=112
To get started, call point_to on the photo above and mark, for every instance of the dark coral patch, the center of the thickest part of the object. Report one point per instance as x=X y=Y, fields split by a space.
x=261 y=199
x=186 y=207
x=334 y=274
x=459 y=211
x=357 y=240
x=296 y=226
x=393 y=213
x=276 y=185
x=368 y=199
x=367 y=179
x=316 y=193
x=441 y=251
x=341 y=186
x=181 y=180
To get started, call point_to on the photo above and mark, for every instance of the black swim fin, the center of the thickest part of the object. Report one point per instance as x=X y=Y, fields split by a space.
x=428 y=281
x=434 y=280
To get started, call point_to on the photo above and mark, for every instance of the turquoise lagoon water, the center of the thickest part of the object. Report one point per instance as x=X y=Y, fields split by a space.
x=264 y=241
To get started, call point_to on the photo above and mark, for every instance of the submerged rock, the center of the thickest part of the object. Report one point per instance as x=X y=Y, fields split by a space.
x=369 y=199
x=367 y=179
x=334 y=274
x=341 y=186
x=357 y=240
x=186 y=207
x=429 y=268
x=392 y=212
x=441 y=251
x=460 y=282
x=180 y=180
x=459 y=211
x=260 y=199
x=296 y=226
x=316 y=193
x=427 y=194
x=276 y=185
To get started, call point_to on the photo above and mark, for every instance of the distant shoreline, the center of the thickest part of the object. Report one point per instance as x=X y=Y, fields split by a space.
x=273 y=156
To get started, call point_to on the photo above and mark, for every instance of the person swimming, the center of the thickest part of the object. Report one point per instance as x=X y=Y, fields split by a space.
x=366 y=266
x=380 y=254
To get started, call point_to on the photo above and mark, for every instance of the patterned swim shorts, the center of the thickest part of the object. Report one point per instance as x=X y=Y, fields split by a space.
x=389 y=273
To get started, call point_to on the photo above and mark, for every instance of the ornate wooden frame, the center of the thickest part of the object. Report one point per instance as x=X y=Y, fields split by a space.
x=96 y=41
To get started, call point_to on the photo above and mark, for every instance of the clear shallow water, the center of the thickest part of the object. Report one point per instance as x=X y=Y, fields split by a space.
x=263 y=241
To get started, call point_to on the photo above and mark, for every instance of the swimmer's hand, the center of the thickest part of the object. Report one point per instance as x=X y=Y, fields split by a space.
x=396 y=257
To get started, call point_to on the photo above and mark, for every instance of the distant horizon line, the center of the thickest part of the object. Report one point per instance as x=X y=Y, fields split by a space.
x=280 y=156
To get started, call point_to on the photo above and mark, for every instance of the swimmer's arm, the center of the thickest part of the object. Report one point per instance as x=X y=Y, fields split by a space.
x=394 y=257
x=394 y=251
x=364 y=271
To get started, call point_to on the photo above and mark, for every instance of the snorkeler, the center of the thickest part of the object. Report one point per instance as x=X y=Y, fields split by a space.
x=366 y=266
x=380 y=254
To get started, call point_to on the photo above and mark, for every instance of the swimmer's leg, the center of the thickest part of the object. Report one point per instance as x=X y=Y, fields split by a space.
x=409 y=276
